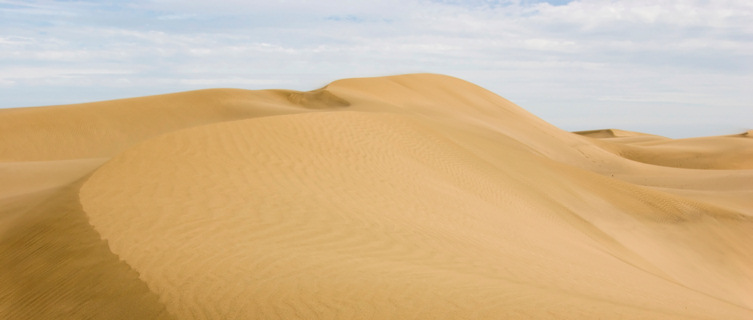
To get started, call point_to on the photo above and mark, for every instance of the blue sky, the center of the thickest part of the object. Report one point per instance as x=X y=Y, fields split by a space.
x=676 y=68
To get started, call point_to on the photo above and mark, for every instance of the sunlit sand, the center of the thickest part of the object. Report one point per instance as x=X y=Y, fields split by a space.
x=408 y=197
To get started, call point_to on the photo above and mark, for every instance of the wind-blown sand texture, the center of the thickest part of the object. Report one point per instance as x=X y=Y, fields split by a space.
x=408 y=197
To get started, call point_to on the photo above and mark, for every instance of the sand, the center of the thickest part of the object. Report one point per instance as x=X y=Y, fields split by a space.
x=417 y=196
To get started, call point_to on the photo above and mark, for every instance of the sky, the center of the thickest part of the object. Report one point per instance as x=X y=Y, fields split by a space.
x=678 y=68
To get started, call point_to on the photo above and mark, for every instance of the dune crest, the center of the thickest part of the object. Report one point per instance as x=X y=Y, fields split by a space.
x=612 y=133
x=316 y=99
x=413 y=196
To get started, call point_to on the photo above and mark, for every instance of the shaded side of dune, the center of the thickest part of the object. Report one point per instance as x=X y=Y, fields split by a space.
x=53 y=265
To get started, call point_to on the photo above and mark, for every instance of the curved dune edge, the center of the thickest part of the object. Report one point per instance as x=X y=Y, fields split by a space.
x=340 y=215
x=413 y=196
x=616 y=133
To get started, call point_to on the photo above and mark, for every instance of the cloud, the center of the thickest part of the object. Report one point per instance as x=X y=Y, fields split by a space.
x=222 y=81
x=55 y=74
x=39 y=8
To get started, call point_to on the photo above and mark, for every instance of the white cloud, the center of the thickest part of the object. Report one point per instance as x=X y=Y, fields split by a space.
x=42 y=8
x=54 y=74
x=219 y=82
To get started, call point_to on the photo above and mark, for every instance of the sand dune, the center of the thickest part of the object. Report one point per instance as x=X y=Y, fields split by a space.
x=416 y=196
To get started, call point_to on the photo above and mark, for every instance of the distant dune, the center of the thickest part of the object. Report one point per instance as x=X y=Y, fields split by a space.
x=407 y=197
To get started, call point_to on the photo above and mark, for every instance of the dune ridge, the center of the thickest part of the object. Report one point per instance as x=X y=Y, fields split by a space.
x=413 y=196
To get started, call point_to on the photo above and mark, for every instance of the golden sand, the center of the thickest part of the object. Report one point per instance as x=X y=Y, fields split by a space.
x=408 y=197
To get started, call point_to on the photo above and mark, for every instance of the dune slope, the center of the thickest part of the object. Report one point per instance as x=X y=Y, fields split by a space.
x=415 y=196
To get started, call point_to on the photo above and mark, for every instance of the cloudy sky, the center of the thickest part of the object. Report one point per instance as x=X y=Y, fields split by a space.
x=678 y=68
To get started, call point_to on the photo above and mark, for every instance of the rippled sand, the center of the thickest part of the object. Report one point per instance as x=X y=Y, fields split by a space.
x=408 y=197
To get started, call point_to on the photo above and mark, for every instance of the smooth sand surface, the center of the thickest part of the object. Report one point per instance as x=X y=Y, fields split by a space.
x=407 y=197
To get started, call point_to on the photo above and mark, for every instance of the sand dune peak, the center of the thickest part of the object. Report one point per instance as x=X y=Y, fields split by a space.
x=413 y=196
